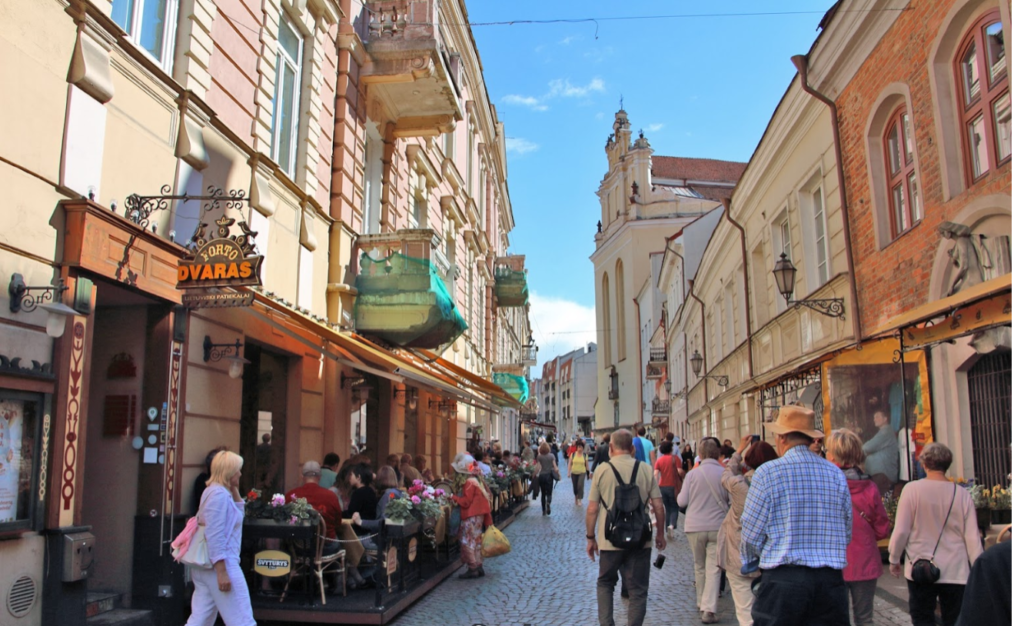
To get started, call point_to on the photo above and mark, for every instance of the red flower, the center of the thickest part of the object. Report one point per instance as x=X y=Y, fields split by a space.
x=252 y=495
x=391 y=496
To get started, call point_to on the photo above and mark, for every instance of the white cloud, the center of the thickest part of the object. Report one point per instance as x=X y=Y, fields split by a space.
x=560 y=326
x=558 y=88
x=568 y=40
x=526 y=101
x=655 y=127
x=563 y=88
x=520 y=146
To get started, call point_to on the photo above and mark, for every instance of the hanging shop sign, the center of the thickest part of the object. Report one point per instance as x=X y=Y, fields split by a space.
x=273 y=563
x=225 y=261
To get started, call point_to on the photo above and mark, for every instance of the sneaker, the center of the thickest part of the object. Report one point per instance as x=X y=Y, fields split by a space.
x=668 y=532
x=707 y=617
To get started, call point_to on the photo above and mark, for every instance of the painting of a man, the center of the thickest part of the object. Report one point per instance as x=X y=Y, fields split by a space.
x=883 y=454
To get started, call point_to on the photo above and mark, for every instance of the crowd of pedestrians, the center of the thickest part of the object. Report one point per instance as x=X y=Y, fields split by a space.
x=794 y=526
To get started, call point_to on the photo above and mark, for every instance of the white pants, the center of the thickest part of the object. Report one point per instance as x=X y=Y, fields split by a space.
x=234 y=606
x=706 y=573
x=742 y=597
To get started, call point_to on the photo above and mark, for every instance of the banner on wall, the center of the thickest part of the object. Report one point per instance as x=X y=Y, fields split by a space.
x=862 y=391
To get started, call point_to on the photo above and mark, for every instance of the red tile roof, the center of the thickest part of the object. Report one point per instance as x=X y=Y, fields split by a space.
x=684 y=168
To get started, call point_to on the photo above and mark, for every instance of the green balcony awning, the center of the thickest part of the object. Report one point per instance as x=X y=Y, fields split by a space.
x=403 y=300
x=515 y=386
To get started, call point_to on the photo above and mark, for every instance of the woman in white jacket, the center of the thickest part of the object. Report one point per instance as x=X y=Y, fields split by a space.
x=221 y=511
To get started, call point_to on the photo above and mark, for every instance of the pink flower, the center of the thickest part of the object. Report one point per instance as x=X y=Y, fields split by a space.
x=439 y=492
x=417 y=483
x=277 y=500
x=293 y=520
x=416 y=500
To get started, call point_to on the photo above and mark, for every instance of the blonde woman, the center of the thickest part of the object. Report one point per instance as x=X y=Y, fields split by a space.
x=870 y=523
x=221 y=511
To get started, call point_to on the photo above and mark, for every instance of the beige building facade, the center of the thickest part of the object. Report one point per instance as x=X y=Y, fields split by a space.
x=145 y=128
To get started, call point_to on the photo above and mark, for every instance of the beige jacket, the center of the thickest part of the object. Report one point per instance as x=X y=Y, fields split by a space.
x=737 y=484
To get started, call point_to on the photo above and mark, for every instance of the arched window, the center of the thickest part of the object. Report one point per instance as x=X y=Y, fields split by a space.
x=904 y=190
x=606 y=321
x=984 y=96
x=620 y=310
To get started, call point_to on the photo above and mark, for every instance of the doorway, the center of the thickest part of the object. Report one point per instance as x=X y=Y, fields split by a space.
x=264 y=418
x=988 y=385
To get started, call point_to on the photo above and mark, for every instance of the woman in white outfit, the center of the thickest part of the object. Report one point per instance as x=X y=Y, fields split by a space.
x=221 y=511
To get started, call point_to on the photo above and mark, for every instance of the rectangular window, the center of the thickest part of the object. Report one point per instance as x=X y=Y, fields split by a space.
x=288 y=88
x=150 y=25
x=1002 y=115
x=978 y=146
x=820 y=236
x=20 y=429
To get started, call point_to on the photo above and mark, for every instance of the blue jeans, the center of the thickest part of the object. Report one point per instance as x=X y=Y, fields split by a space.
x=668 y=496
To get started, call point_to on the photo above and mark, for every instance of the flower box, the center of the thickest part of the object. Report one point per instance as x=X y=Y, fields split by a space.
x=394 y=529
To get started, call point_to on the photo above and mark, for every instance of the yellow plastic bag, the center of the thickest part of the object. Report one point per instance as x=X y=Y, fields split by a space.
x=495 y=542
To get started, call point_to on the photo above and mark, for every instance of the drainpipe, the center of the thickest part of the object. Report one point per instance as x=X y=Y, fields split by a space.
x=727 y=204
x=800 y=61
x=703 y=341
x=639 y=364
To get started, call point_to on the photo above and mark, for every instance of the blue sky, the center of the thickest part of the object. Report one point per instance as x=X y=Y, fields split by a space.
x=698 y=87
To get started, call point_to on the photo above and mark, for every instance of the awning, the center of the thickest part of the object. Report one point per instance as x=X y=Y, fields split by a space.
x=926 y=312
x=366 y=356
x=482 y=385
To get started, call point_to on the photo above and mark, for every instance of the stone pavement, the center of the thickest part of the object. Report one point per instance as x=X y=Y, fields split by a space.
x=547 y=580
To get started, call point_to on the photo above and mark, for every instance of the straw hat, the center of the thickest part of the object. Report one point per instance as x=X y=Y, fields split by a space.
x=795 y=419
x=466 y=465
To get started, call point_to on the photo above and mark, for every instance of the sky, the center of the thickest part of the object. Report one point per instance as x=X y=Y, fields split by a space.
x=700 y=79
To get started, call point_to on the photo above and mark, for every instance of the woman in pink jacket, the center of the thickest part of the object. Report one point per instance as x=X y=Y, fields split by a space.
x=870 y=523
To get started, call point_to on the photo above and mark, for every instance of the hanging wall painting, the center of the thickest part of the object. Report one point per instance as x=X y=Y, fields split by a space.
x=862 y=391
x=12 y=423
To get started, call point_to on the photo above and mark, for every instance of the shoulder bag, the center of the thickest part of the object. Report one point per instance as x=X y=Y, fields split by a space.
x=189 y=547
x=924 y=571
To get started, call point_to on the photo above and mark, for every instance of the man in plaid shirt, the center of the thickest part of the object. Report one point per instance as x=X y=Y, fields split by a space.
x=796 y=525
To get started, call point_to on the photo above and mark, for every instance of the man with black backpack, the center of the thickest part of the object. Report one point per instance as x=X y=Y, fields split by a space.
x=619 y=528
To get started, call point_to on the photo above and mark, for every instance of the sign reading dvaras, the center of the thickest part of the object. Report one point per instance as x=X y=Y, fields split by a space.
x=225 y=261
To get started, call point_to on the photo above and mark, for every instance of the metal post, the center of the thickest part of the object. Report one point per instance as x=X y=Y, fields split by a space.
x=906 y=417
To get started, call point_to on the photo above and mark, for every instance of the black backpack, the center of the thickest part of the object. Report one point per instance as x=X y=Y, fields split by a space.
x=627 y=525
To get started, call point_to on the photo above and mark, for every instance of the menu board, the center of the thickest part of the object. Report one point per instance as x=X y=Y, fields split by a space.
x=12 y=425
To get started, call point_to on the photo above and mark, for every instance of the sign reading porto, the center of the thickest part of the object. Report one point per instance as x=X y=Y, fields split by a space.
x=225 y=261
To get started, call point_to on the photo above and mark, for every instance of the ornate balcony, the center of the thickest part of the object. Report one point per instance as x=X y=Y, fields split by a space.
x=658 y=356
x=402 y=297
x=510 y=281
x=654 y=372
x=529 y=356
x=661 y=407
x=413 y=75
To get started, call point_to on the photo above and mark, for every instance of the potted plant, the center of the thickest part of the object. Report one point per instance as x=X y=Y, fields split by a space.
x=982 y=504
x=1002 y=504
x=277 y=511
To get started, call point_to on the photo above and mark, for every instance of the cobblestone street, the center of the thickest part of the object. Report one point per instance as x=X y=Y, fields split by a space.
x=547 y=580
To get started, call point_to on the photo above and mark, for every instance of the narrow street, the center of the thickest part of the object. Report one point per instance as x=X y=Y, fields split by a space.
x=547 y=580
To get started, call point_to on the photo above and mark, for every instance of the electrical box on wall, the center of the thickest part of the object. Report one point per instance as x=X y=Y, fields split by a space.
x=78 y=553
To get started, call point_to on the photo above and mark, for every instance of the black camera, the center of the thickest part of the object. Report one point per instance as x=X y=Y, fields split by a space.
x=660 y=561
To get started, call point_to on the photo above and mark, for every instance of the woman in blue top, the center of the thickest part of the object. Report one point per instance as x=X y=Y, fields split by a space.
x=221 y=511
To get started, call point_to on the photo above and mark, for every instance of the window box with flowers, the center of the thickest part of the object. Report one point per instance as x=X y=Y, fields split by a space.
x=982 y=497
x=1002 y=504
x=277 y=511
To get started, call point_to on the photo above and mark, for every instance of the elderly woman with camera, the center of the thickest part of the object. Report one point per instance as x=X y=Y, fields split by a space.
x=937 y=527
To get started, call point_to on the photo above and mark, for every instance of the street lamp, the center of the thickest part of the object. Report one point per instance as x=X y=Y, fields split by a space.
x=217 y=351
x=697 y=363
x=785 y=280
x=22 y=299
